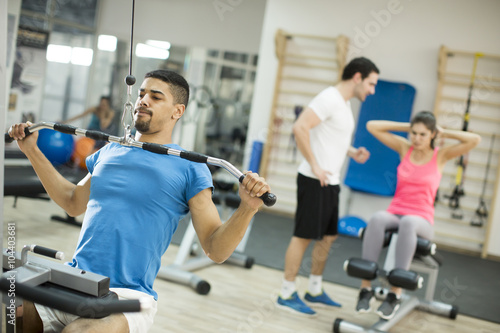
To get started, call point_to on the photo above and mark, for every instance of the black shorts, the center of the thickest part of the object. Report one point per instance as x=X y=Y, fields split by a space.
x=317 y=211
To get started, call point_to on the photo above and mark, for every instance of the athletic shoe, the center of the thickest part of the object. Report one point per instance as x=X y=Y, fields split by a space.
x=322 y=298
x=389 y=307
x=295 y=304
x=365 y=300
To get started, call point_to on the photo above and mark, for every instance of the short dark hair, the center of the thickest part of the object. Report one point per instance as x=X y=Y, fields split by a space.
x=106 y=97
x=178 y=84
x=428 y=119
x=361 y=65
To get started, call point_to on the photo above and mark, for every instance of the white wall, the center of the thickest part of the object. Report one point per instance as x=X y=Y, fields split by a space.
x=402 y=37
x=233 y=25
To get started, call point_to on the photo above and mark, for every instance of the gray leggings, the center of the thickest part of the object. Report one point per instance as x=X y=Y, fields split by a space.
x=409 y=227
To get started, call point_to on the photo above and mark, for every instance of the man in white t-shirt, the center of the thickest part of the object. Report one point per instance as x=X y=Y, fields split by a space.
x=323 y=133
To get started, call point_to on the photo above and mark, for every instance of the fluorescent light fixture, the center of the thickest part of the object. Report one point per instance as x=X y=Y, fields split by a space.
x=82 y=56
x=107 y=43
x=148 y=51
x=159 y=44
x=59 y=53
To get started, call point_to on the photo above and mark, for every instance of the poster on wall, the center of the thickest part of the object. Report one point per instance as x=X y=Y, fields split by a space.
x=25 y=99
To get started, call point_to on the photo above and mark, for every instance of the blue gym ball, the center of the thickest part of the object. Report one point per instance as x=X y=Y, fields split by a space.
x=56 y=146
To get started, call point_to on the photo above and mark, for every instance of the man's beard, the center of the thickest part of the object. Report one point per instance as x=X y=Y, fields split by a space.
x=142 y=126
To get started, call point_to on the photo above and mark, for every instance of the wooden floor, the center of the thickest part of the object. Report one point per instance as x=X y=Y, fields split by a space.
x=241 y=300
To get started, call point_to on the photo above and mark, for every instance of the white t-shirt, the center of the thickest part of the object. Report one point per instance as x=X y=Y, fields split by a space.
x=330 y=139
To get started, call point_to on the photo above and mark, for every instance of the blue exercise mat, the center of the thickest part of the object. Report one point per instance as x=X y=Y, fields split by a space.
x=391 y=101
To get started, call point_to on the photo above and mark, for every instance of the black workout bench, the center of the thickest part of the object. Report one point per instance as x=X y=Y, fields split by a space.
x=426 y=260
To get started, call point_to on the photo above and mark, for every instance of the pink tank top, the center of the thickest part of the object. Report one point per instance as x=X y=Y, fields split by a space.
x=416 y=188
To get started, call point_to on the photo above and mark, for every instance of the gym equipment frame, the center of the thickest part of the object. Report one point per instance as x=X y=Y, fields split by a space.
x=426 y=261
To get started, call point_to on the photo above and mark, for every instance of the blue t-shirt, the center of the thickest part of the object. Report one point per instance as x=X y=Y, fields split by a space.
x=137 y=199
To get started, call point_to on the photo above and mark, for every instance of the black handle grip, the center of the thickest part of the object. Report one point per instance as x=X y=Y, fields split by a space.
x=268 y=198
x=45 y=251
x=155 y=148
x=194 y=157
x=67 y=129
x=8 y=139
x=96 y=135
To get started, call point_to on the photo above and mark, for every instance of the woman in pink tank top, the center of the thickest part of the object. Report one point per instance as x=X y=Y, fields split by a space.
x=411 y=210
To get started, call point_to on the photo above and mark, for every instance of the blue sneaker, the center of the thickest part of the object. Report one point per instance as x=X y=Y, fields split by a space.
x=322 y=298
x=295 y=304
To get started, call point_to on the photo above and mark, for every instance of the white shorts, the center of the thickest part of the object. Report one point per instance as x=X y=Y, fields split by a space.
x=138 y=322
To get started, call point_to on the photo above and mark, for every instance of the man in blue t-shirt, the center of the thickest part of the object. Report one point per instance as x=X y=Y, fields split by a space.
x=133 y=200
